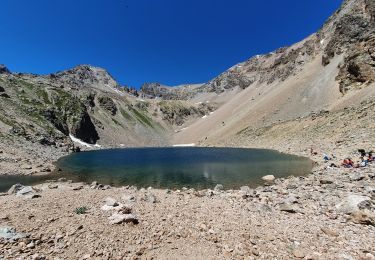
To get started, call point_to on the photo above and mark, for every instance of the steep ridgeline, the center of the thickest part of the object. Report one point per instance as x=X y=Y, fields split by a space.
x=159 y=91
x=84 y=102
x=350 y=32
x=328 y=70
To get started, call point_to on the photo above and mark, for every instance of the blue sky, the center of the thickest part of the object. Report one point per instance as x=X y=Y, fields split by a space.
x=137 y=41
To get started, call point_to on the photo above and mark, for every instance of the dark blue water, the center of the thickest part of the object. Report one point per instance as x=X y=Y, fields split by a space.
x=176 y=167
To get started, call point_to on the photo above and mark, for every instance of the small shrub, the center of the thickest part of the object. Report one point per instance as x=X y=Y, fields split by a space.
x=81 y=210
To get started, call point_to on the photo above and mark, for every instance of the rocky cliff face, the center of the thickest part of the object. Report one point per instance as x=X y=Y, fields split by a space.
x=157 y=90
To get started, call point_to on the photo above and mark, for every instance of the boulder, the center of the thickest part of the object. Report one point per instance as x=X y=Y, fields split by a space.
x=353 y=203
x=268 y=178
x=15 y=188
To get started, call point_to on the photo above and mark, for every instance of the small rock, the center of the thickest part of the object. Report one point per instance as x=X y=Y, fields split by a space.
x=330 y=232
x=356 y=176
x=150 y=198
x=269 y=178
x=326 y=180
x=80 y=187
x=129 y=198
x=118 y=218
x=111 y=202
x=219 y=187
x=298 y=253
x=246 y=189
x=53 y=186
x=364 y=217
x=287 y=208
x=30 y=245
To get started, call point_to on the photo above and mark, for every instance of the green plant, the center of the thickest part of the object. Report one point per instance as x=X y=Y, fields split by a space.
x=80 y=210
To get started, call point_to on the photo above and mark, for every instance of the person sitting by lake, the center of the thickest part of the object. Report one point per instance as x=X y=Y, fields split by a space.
x=326 y=157
x=370 y=156
x=364 y=161
x=347 y=163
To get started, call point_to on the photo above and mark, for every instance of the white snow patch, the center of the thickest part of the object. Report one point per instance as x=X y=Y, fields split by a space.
x=76 y=140
x=211 y=113
x=321 y=42
x=183 y=145
x=204 y=116
x=182 y=129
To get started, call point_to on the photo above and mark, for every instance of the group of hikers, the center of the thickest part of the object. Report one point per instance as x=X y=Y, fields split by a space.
x=363 y=161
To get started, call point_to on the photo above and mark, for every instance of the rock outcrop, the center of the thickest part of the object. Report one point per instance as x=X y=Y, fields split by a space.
x=4 y=69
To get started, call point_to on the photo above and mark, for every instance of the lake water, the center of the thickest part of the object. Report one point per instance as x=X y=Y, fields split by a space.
x=173 y=167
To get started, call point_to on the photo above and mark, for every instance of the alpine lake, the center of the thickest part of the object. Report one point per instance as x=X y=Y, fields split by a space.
x=172 y=168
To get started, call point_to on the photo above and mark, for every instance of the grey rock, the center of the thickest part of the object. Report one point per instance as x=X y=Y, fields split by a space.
x=353 y=203
x=10 y=233
x=246 y=189
x=118 y=218
x=356 y=176
x=27 y=190
x=111 y=202
x=287 y=208
x=326 y=180
x=151 y=198
x=219 y=187
x=268 y=178
x=129 y=198
x=15 y=188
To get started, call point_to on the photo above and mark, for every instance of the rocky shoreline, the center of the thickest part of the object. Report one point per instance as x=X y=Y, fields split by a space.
x=328 y=214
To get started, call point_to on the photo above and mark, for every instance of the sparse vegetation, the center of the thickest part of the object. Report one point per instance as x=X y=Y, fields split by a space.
x=81 y=210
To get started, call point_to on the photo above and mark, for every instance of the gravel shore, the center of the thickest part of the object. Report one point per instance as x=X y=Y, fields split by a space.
x=326 y=215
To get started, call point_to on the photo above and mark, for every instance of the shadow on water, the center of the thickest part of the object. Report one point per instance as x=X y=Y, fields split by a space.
x=173 y=167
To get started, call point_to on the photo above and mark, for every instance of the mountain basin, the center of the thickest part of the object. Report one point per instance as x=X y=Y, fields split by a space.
x=173 y=168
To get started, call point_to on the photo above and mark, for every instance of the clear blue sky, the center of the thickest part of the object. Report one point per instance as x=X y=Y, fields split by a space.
x=137 y=41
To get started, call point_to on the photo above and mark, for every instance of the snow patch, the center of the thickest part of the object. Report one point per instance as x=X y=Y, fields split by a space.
x=184 y=145
x=204 y=116
x=78 y=141
x=321 y=42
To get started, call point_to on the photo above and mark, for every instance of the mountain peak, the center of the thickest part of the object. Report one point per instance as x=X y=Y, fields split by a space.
x=88 y=76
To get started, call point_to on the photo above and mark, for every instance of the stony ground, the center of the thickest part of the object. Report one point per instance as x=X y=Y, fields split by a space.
x=326 y=215
x=21 y=157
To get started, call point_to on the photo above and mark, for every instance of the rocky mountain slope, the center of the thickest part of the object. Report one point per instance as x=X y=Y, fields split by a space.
x=329 y=70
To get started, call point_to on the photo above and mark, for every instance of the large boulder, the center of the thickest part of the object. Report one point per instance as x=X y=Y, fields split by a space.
x=353 y=203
